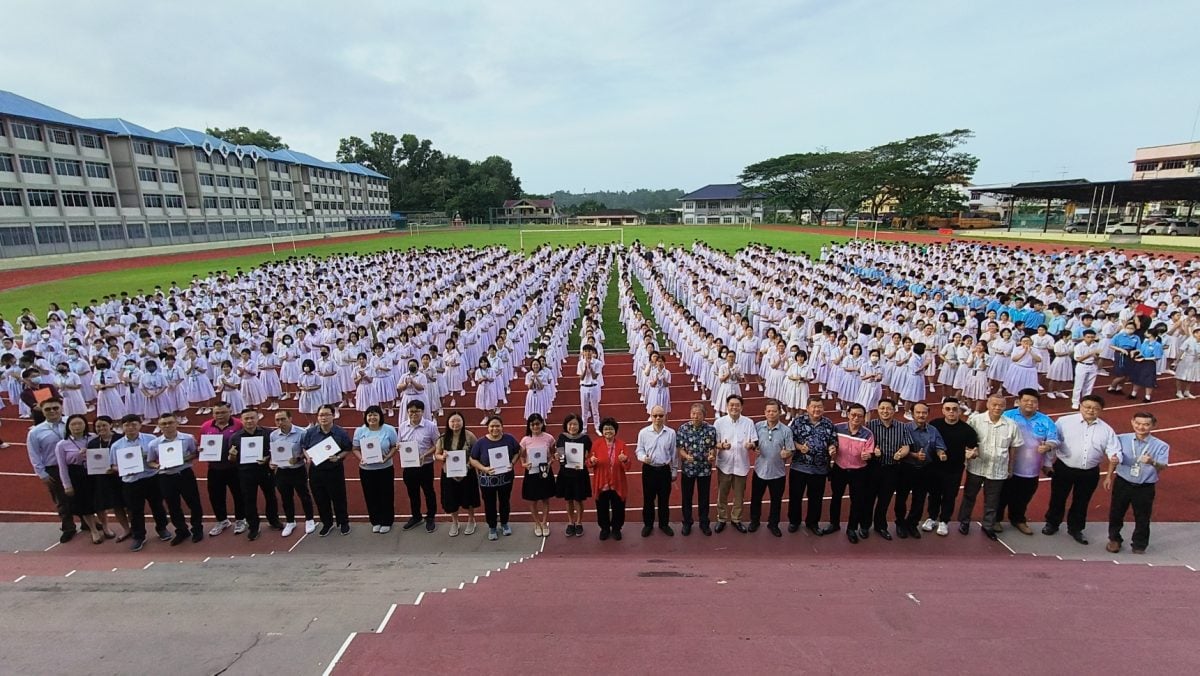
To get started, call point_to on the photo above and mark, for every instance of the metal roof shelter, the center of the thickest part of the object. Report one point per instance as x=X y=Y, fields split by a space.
x=1099 y=193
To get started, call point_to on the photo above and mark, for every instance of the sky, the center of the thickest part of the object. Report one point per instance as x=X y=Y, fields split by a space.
x=618 y=95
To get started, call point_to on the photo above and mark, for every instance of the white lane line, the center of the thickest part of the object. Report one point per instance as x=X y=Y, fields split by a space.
x=913 y=598
x=461 y=585
x=206 y=559
x=70 y=574
x=338 y=655
x=422 y=595
x=297 y=543
x=147 y=566
x=51 y=547
x=388 y=616
x=18 y=579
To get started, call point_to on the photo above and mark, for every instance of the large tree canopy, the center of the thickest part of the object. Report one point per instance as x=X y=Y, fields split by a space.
x=244 y=137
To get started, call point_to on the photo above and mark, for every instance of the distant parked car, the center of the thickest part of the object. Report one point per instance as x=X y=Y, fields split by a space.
x=1123 y=228
x=1171 y=227
x=1084 y=227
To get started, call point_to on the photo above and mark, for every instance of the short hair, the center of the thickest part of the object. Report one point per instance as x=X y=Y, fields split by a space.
x=569 y=418
x=886 y=400
x=327 y=407
x=772 y=402
x=610 y=422
x=1095 y=398
x=376 y=409
x=950 y=400
x=919 y=403
x=1146 y=415
x=699 y=405
x=735 y=396
x=415 y=403
x=166 y=414
x=1029 y=392
x=492 y=417
x=221 y=404
x=104 y=419
x=131 y=417
x=284 y=412
x=51 y=400
x=856 y=407
x=248 y=409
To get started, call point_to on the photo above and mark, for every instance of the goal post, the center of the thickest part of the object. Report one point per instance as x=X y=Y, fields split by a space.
x=539 y=231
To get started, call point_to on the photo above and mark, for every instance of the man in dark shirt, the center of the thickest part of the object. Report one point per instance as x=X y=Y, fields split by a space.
x=255 y=476
x=948 y=466
x=892 y=444
x=223 y=475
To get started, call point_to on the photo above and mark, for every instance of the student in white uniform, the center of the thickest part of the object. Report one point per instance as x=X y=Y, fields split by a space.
x=590 y=371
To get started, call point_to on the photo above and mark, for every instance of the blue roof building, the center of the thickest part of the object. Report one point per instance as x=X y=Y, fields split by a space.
x=717 y=203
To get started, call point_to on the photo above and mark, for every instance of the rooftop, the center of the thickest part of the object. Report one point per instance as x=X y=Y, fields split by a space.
x=722 y=191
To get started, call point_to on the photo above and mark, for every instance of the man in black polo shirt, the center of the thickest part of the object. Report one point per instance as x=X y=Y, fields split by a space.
x=948 y=466
x=254 y=477
x=892 y=443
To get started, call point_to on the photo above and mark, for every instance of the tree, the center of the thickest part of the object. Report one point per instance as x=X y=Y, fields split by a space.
x=244 y=137
x=923 y=170
x=586 y=208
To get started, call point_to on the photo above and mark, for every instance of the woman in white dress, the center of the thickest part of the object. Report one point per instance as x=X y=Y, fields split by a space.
x=658 y=384
x=870 y=373
x=456 y=374
x=135 y=401
x=962 y=352
x=1187 y=369
x=1043 y=345
x=796 y=379
x=1061 y=374
x=229 y=387
x=950 y=363
x=252 y=391
x=176 y=393
x=289 y=367
x=309 y=386
x=71 y=388
x=344 y=356
x=1000 y=351
x=268 y=375
x=1022 y=373
x=433 y=389
x=912 y=386
x=851 y=381
x=200 y=390
x=977 y=386
x=729 y=382
x=413 y=386
x=485 y=394
x=364 y=385
x=108 y=390
x=776 y=370
x=153 y=386
x=537 y=389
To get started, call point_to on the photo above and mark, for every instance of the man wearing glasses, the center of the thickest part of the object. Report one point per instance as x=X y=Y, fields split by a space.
x=775 y=447
x=40 y=442
x=947 y=465
x=656 y=450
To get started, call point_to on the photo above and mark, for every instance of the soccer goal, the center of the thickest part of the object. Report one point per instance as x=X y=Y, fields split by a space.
x=578 y=235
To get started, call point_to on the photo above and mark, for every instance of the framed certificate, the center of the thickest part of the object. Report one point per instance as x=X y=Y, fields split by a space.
x=281 y=453
x=210 y=447
x=98 y=461
x=170 y=454
x=537 y=455
x=323 y=451
x=456 y=464
x=574 y=454
x=251 y=450
x=372 y=451
x=498 y=459
x=409 y=457
x=129 y=461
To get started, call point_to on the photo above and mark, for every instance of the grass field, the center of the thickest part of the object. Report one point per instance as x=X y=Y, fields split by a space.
x=87 y=287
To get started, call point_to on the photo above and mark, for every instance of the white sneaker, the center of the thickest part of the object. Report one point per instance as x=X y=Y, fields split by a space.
x=219 y=528
x=309 y=527
x=454 y=529
x=1189 y=395
x=470 y=529
x=928 y=525
x=385 y=529
x=374 y=529
x=943 y=529
x=240 y=527
x=287 y=529
x=537 y=530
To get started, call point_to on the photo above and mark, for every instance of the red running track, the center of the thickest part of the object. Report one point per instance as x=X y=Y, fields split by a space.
x=23 y=498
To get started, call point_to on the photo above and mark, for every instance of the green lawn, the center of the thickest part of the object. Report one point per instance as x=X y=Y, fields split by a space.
x=87 y=287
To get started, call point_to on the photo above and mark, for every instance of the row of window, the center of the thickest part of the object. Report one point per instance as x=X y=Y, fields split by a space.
x=33 y=164
x=150 y=175
x=217 y=159
x=1167 y=164
x=151 y=149
x=13 y=197
x=154 y=201
x=231 y=203
x=223 y=181
x=58 y=136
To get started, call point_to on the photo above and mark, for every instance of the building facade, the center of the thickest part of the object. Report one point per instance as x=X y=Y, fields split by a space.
x=528 y=211
x=1178 y=160
x=722 y=203
x=72 y=184
x=611 y=217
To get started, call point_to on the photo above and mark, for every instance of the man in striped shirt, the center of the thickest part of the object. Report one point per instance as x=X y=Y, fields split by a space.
x=989 y=464
x=892 y=443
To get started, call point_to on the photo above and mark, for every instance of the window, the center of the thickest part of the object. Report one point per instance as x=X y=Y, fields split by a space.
x=1146 y=166
x=18 y=236
x=90 y=141
x=10 y=197
x=287 y=186
x=290 y=205
x=215 y=228
x=29 y=132
x=247 y=162
x=83 y=233
x=222 y=181
x=1174 y=164
x=174 y=201
x=74 y=198
x=142 y=148
x=210 y=203
x=168 y=175
x=252 y=183
x=51 y=234
x=98 y=170
x=274 y=185
x=278 y=204
x=35 y=165
x=104 y=200
x=179 y=230
x=218 y=158
x=111 y=232
x=206 y=179
x=160 y=230
x=255 y=204
x=153 y=201
x=239 y=182
x=201 y=156
x=68 y=168
x=6 y=162
x=148 y=175
x=42 y=198
x=62 y=137
x=163 y=150
x=226 y=202
x=136 y=231
x=198 y=229
x=243 y=203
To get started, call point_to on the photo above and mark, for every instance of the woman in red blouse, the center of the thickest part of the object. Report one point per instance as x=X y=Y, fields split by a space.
x=609 y=460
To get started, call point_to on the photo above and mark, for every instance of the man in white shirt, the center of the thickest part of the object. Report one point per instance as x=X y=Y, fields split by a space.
x=656 y=451
x=1075 y=466
x=589 y=372
x=989 y=464
x=736 y=437
x=1085 y=355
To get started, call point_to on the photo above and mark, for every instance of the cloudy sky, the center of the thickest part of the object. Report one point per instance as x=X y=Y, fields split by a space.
x=650 y=93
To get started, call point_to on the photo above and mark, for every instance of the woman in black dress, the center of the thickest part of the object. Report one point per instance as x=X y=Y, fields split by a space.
x=71 y=453
x=538 y=486
x=463 y=492
x=573 y=485
x=106 y=488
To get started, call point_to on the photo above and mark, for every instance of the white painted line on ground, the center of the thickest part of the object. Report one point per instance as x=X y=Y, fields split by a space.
x=338 y=655
x=462 y=585
x=19 y=579
x=114 y=570
x=487 y=573
x=147 y=566
x=69 y=574
x=297 y=543
x=422 y=595
x=206 y=559
x=1010 y=549
x=476 y=580
x=386 y=617
x=443 y=590
x=1189 y=568
x=913 y=598
x=50 y=547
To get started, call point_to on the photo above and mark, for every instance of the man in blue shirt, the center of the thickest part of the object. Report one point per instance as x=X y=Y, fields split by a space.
x=816 y=440
x=1041 y=437
x=916 y=472
x=141 y=487
x=1141 y=458
x=40 y=442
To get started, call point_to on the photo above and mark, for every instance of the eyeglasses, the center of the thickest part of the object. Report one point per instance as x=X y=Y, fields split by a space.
x=658 y=415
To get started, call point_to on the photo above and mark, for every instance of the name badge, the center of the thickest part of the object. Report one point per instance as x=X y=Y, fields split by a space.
x=1135 y=471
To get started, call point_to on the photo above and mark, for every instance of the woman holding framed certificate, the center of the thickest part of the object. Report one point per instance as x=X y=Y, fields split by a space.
x=72 y=457
x=492 y=458
x=460 y=482
x=573 y=484
x=375 y=443
x=538 y=485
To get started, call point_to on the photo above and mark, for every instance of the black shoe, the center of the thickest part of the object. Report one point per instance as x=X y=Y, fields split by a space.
x=864 y=533
x=165 y=535
x=793 y=527
x=413 y=523
x=345 y=530
x=570 y=531
x=719 y=527
x=830 y=529
x=1049 y=530
x=647 y=530
x=667 y=530
x=815 y=531
x=578 y=530
x=252 y=535
x=883 y=533
x=616 y=534
x=430 y=525
x=964 y=528
x=276 y=525
x=852 y=536
x=84 y=527
x=137 y=545
x=686 y=529
x=603 y=533
x=197 y=535
x=990 y=534
x=774 y=530
x=325 y=530
x=705 y=529
x=66 y=537
x=1078 y=536
x=753 y=527
x=914 y=532
x=902 y=531
x=739 y=527
x=180 y=538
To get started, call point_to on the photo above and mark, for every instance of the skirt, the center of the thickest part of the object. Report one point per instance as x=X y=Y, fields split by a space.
x=1144 y=373
x=270 y=382
x=573 y=484
x=948 y=373
x=84 y=500
x=1019 y=378
x=289 y=371
x=107 y=491
x=869 y=394
x=538 y=402
x=1188 y=369
x=535 y=486
x=976 y=386
x=912 y=387
x=658 y=396
x=794 y=393
x=199 y=388
x=1062 y=369
x=460 y=493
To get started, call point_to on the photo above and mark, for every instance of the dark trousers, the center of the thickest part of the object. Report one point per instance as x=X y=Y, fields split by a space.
x=62 y=503
x=911 y=481
x=882 y=479
x=177 y=490
x=379 y=492
x=610 y=511
x=1014 y=499
x=760 y=486
x=1063 y=483
x=1141 y=498
x=220 y=481
x=799 y=485
x=420 y=480
x=944 y=481
x=701 y=486
x=497 y=503
x=253 y=479
x=656 y=488
x=328 y=482
x=860 y=497
x=991 y=499
x=137 y=494
x=292 y=483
